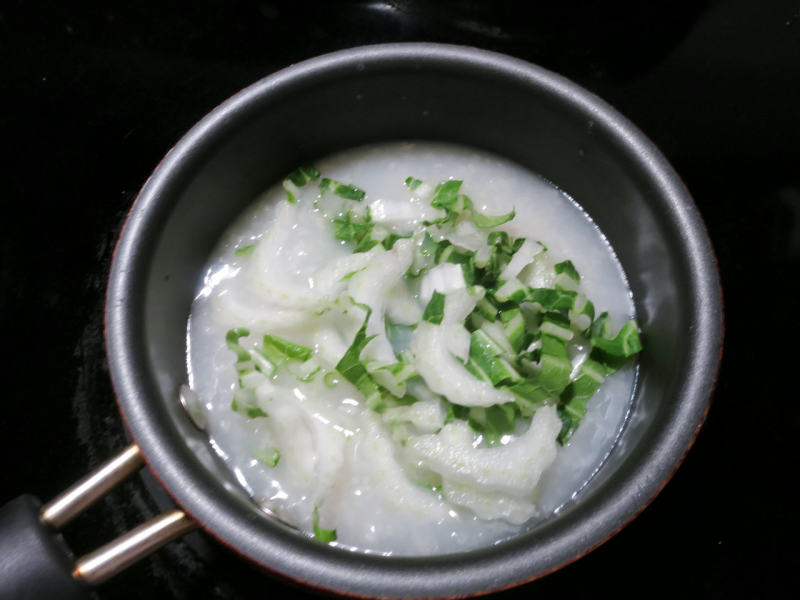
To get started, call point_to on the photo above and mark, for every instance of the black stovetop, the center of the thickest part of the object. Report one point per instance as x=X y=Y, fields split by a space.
x=93 y=97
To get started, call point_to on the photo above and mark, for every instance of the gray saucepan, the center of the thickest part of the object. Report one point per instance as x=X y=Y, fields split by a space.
x=386 y=92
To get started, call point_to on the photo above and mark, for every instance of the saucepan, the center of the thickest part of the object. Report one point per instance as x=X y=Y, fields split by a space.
x=378 y=93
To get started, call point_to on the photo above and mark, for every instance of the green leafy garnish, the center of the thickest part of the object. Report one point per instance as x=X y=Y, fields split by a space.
x=277 y=351
x=530 y=396
x=308 y=375
x=245 y=251
x=446 y=197
x=582 y=307
x=556 y=366
x=343 y=190
x=487 y=222
x=232 y=341
x=493 y=422
x=244 y=361
x=455 y=411
x=353 y=370
x=349 y=275
x=413 y=183
x=486 y=356
x=434 y=311
x=424 y=257
x=268 y=456
x=389 y=240
x=551 y=299
x=297 y=179
x=572 y=406
x=323 y=535
x=568 y=269
x=626 y=343
x=253 y=412
x=355 y=229
x=244 y=402
x=288 y=349
x=303 y=175
x=519 y=335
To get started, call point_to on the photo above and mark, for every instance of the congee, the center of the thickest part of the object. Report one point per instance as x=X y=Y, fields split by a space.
x=413 y=348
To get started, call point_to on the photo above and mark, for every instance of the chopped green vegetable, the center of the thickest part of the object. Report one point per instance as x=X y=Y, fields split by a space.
x=512 y=291
x=487 y=356
x=297 y=179
x=568 y=269
x=349 y=275
x=551 y=299
x=556 y=366
x=556 y=325
x=343 y=190
x=245 y=251
x=626 y=343
x=303 y=175
x=486 y=309
x=455 y=411
x=434 y=311
x=601 y=326
x=572 y=407
x=530 y=395
x=514 y=328
x=493 y=422
x=277 y=351
x=253 y=412
x=413 y=183
x=268 y=456
x=582 y=309
x=393 y=377
x=424 y=257
x=518 y=334
x=487 y=222
x=244 y=402
x=445 y=196
x=354 y=229
x=289 y=349
x=232 y=341
x=323 y=535
x=353 y=370
x=305 y=372
x=244 y=361
x=501 y=241
x=389 y=240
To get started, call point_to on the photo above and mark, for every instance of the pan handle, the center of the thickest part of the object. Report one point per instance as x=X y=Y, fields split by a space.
x=35 y=563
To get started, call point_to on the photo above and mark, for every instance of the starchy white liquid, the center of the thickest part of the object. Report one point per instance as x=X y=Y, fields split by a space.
x=336 y=454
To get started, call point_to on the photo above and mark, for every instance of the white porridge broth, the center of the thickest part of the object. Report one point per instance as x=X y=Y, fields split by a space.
x=413 y=348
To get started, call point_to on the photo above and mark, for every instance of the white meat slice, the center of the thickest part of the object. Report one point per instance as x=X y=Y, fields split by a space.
x=514 y=468
x=445 y=375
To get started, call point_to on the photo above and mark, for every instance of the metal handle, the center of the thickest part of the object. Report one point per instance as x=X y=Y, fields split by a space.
x=97 y=566
x=65 y=507
x=118 y=555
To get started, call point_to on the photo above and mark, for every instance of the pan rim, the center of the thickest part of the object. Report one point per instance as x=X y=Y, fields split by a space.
x=339 y=571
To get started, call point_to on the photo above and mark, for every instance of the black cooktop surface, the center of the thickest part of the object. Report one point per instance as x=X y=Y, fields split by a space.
x=94 y=96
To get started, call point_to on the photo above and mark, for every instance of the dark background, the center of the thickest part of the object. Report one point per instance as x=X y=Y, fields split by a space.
x=92 y=96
